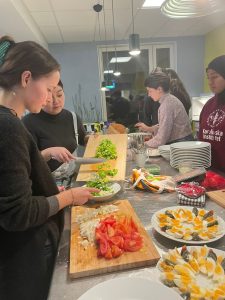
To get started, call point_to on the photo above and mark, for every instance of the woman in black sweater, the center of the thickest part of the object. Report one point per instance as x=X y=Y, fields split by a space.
x=53 y=130
x=31 y=216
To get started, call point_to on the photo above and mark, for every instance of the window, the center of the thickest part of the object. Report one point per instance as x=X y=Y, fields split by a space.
x=133 y=70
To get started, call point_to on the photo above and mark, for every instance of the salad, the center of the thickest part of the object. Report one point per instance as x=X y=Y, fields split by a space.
x=106 y=149
x=101 y=181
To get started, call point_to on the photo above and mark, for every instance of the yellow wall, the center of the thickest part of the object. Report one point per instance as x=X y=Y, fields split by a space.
x=214 y=46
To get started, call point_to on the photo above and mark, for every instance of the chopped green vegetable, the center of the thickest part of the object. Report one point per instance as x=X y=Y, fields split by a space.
x=100 y=180
x=106 y=149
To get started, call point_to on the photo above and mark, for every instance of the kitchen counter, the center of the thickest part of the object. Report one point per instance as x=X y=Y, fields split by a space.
x=145 y=205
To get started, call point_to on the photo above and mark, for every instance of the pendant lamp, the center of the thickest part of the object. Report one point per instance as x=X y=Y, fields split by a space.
x=116 y=71
x=134 y=39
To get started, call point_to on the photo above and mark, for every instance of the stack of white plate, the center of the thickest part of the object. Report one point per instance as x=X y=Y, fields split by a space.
x=164 y=151
x=198 y=153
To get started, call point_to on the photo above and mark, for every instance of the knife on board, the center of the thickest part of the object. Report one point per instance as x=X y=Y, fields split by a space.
x=89 y=160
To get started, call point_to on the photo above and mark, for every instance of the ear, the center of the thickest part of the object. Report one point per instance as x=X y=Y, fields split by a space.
x=26 y=77
x=160 y=89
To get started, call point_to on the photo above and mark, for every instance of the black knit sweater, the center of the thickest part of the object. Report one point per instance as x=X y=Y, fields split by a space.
x=25 y=182
x=55 y=131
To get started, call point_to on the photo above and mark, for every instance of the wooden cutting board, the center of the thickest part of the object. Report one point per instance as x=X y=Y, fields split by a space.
x=218 y=197
x=120 y=140
x=85 y=262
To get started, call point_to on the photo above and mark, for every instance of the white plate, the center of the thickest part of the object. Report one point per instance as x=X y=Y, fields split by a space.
x=164 y=148
x=155 y=222
x=202 y=281
x=130 y=289
x=190 y=145
x=115 y=187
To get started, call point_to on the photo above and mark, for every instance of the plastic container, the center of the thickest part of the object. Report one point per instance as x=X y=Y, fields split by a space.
x=153 y=169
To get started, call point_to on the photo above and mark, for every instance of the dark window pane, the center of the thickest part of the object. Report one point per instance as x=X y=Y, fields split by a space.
x=163 y=57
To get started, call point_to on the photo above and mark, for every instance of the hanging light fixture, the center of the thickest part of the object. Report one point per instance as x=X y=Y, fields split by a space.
x=191 y=8
x=134 y=39
x=116 y=71
x=98 y=8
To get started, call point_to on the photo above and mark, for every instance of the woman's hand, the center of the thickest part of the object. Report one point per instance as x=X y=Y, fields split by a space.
x=81 y=195
x=143 y=127
x=58 y=153
x=75 y=196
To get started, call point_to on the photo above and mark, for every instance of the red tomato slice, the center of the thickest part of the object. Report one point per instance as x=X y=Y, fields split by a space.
x=116 y=251
x=132 y=245
x=103 y=247
x=109 y=220
x=118 y=241
x=108 y=254
x=110 y=231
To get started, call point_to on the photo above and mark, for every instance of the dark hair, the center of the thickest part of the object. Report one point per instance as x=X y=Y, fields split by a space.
x=60 y=84
x=176 y=87
x=218 y=65
x=116 y=93
x=158 y=79
x=24 y=56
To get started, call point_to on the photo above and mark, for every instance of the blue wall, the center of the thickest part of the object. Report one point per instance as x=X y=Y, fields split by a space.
x=80 y=75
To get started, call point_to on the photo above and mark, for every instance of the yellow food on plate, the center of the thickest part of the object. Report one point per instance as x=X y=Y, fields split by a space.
x=189 y=224
x=197 y=272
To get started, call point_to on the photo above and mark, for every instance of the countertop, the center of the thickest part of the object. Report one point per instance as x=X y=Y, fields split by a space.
x=145 y=204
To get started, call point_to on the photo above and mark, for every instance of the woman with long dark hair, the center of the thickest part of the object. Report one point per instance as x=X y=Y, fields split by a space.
x=31 y=208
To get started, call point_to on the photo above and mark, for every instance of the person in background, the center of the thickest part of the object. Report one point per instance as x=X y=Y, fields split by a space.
x=150 y=111
x=212 y=117
x=176 y=88
x=120 y=108
x=174 y=124
x=31 y=208
x=53 y=130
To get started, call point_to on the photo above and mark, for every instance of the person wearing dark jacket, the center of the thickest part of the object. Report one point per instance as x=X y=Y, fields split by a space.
x=120 y=108
x=150 y=111
x=53 y=130
x=31 y=215
x=212 y=117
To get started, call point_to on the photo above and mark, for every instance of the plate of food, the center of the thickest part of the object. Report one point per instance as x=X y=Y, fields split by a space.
x=188 y=224
x=107 y=191
x=130 y=288
x=195 y=272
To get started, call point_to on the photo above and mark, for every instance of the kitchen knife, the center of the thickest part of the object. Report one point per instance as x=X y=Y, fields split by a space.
x=89 y=160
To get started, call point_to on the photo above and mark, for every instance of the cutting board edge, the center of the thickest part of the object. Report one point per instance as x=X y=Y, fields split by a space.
x=134 y=265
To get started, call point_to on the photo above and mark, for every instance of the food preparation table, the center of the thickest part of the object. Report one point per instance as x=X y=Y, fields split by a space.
x=145 y=205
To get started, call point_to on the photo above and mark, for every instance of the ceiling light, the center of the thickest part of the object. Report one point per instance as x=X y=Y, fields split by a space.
x=134 y=40
x=134 y=44
x=108 y=71
x=191 y=8
x=117 y=73
x=119 y=59
x=152 y=3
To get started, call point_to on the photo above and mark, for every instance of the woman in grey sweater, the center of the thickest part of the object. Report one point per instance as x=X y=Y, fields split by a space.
x=174 y=124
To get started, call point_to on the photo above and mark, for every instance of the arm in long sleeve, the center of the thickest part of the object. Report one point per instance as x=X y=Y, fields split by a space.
x=166 y=120
x=19 y=209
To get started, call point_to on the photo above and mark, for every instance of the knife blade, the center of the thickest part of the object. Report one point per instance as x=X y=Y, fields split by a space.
x=89 y=160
